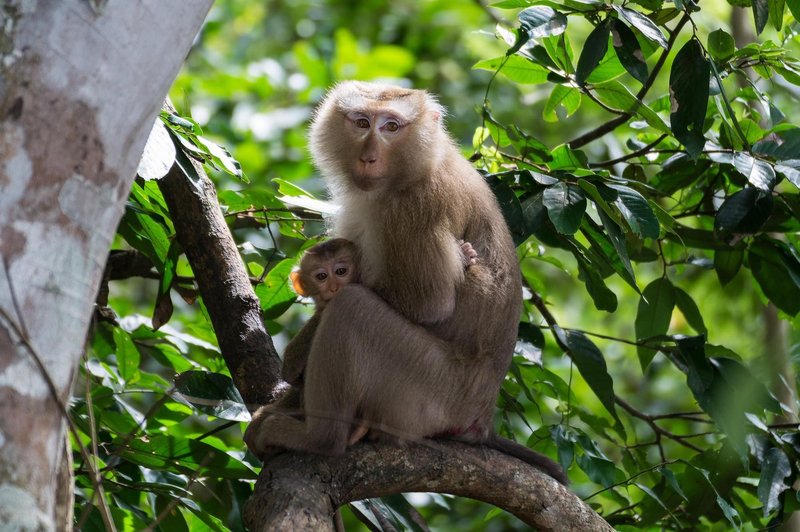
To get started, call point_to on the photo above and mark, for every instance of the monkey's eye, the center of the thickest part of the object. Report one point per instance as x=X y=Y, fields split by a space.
x=392 y=126
x=321 y=276
x=340 y=271
x=361 y=123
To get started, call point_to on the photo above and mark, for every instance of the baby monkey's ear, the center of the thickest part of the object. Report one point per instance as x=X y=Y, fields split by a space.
x=297 y=283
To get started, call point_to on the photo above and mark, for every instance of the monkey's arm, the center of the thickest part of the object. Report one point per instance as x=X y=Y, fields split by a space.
x=295 y=355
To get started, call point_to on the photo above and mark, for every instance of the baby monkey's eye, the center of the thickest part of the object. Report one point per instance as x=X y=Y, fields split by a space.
x=321 y=276
x=341 y=271
x=392 y=126
x=362 y=123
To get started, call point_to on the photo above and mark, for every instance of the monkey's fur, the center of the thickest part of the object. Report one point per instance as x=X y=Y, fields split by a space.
x=421 y=347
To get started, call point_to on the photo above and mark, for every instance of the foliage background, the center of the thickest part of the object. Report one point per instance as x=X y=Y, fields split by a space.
x=654 y=457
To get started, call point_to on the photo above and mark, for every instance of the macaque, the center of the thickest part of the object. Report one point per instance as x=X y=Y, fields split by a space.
x=420 y=347
x=323 y=270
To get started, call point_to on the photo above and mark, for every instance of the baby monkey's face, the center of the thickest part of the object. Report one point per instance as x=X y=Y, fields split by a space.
x=330 y=275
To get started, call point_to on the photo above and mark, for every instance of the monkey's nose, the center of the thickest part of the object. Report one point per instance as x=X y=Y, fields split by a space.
x=368 y=159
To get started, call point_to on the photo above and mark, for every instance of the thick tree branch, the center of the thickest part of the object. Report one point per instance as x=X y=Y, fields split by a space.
x=223 y=281
x=301 y=491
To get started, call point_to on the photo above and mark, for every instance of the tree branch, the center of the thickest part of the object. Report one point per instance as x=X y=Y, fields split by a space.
x=222 y=280
x=301 y=491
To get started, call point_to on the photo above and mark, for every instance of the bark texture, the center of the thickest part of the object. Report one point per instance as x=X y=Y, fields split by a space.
x=301 y=491
x=79 y=90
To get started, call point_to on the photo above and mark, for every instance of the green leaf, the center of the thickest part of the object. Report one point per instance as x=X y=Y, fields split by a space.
x=689 y=309
x=791 y=169
x=184 y=456
x=721 y=45
x=127 y=354
x=688 y=88
x=759 y=173
x=593 y=50
x=744 y=212
x=776 y=8
x=643 y=24
x=778 y=274
x=727 y=263
x=542 y=21
x=653 y=315
x=618 y=241
x=274 y=293
x=636 y=211
x=159 y=153
x=562 y=103
x=760 y=14
x=511 y=208
x=602 y=297
x=628 y=50
x=615 y=95
x=565 y=205
x=774 y=469
x=213 y=394
x=794 y=8
x=516 y=68
x=592 y=367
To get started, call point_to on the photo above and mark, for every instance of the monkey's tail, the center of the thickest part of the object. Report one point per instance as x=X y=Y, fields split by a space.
x=529 y=456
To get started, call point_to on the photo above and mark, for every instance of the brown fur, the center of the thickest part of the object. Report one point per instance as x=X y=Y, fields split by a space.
x=422 y=346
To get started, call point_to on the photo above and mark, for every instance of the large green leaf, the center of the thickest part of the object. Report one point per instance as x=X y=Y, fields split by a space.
x=653 y=315
x=777 y=271
x=542 y=21
x=511 y=208
x=689 y=309
x=602 y=297
x=636 y=211
x=721 y=45
x=274 y=293
x=562 y=103
x=744 y=212
x=565 y=205
x=760 y=14
x=759 y=173
x=688 y=88
x=775 y=468
x=516 y=68
x=628 y=50
x=592 y=366
x=593 y=50
x=615 y=95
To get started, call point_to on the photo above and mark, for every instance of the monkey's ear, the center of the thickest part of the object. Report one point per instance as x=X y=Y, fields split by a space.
x=297 y=283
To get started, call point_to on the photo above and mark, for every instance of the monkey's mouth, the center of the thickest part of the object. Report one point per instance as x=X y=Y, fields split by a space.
x=366 y=178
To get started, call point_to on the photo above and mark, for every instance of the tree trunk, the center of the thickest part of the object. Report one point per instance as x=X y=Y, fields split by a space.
x=80 y=87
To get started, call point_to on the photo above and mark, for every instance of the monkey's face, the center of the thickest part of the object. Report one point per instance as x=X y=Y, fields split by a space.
x=375 y=139
x=329 y=276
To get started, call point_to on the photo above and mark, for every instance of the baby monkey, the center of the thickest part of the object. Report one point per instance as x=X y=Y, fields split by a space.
x=324 y=269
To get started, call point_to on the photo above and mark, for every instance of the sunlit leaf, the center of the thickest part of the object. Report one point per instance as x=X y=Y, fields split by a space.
x=721 y=45
x=643 y=24
x=542 y=21
x=775 y=468
x=212 y=393
x=516 y=68
x=760 y=173
x=562 y=103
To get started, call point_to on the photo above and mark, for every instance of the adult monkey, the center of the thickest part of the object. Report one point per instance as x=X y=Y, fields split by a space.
x=421 y=347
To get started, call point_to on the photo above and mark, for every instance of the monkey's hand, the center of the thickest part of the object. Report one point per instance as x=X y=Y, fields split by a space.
x=469 y=253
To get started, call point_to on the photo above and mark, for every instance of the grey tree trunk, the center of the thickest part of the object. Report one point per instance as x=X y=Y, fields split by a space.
x=80 y=85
